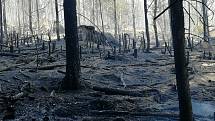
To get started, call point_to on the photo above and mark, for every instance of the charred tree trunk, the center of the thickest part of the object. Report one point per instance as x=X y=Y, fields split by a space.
x=23 y=16
x=5 y=22
x=18 y=13
x=83 y=11
x=38 y=16
x=205 y=20
x=71 y=80
x=147 y=26
x=155 y=24
x=178 y=31
x=115 y=19
x=93 y=12
x=1 y=25
x=101 y=15
x=134 y=19
x=79 y=11
x=57 y=20
x=30 y=16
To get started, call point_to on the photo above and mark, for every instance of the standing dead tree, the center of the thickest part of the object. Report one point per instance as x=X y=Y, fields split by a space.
x=115 y=20
x=1 y=25
x=57 y=20
x=155 y=23
x=38 y=16
x=71 y=80
x=134 y=19
x=30 y=16
x=147 y=25
x=178 y=35
x=205 y=20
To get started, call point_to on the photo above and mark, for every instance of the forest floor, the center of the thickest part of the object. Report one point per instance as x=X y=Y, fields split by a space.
x=121 y=89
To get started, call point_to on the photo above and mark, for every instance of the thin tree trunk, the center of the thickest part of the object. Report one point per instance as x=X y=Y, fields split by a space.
x=83 y=10
x=71 y=80
x=93 y=11
x=5 y=21
x=57 y=20
x=30 y=16
x=23 y=16
x=38 y=16
x=1 y=25
x=79 y=9
x=189 y=29
x=18 y=12
x=177 y=25
x=205 y=20
x=147 y=26
x=155 y=23
x=134 y=19
x=115 y=19
x=100 y=8
x=97 y=12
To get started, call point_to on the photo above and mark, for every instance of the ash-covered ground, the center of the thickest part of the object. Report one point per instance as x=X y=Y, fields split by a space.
x=116 y=88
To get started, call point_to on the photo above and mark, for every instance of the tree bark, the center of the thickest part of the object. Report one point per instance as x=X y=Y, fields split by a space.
x=115 y=19
x=5 y=21
x=30 y=16
x=93 y=12
x=23 y=16
x=177 y=25
x=134 y=19
x=18 y=13
x=83 y=11
x=57 y=20
x=101 y=15
x=147 y=26
x=38 y=16
x=79 y=11
x=205 y=20
x=71 y=80
x=155 y=23
x=1 y=25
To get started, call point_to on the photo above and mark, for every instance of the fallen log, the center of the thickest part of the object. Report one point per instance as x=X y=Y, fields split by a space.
x=4 y=45
x=123 y=113
x=5 y=80
x=140 y=64
x=8 y=102
x=49 y=67
x=136 y=93
x=11 y=67
x=25 y=75
x=9 y=54
x=61 y=72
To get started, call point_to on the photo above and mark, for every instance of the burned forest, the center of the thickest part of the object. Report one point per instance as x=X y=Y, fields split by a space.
x=107 y=60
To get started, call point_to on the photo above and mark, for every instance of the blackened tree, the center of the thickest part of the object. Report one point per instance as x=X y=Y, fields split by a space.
x=71 y=80
x=178 y=31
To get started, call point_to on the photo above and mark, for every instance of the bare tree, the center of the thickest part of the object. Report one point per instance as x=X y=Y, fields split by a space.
x=147 y=26
x=71 y=80
x=155 y=23
x=115 y=19
x=134 y=19
x=101 y=15
x=57 y=20
x=205 y=20
x=38 y=16
x=5 y=21
x=178 y=31
x=30 y=16
x=1 y=25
